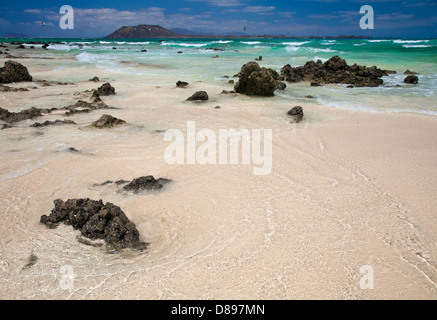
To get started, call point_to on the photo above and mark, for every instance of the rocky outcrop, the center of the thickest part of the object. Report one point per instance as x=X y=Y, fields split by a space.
x=335 y=70
x=96 y=220
x=13 y=117
x=95 y=79
x=256 y=81
x=147 y=183
x=199 y=96
x=14 y=72
x=52 y=123
x=9 y=89
x=107 y=121
x=408 y=72
x=182 y=84
x=85 y=107
x=411 y=79
x=106 y=90
x=296 y=113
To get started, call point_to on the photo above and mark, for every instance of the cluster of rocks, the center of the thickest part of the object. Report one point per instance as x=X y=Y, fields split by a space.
x=96 y=221
x=146 y=183
x=335 y=70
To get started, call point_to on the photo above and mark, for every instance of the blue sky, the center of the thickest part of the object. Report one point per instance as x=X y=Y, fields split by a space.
x=98 y=18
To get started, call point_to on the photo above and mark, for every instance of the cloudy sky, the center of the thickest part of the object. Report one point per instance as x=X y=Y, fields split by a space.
x=98 y=18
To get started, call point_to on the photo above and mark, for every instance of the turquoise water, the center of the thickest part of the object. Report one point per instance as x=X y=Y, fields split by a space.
x=196 y=64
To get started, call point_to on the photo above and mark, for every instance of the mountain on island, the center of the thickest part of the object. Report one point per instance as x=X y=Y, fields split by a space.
x=144 y=32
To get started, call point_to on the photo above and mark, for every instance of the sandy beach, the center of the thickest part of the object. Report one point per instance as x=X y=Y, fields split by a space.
x=347 y=189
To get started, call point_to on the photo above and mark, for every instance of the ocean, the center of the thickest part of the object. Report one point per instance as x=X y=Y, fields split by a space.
x=124 y=57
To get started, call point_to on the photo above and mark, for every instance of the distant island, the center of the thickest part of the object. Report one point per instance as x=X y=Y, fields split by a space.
x=16 y=36
x=155 y=31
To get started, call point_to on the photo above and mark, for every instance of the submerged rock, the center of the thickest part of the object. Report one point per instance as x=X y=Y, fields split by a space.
x=52 y=123
x=107 y=121
x=9 y=89
x=14 y=72
x=148 y=183
x=12 y=117
x=96 y=220
x=297 y=114
x=412 y=79
x=256 y=81
x=335 y=70
x=182 y=84
x=95 y=79
x=85 y=107
x=199 y=96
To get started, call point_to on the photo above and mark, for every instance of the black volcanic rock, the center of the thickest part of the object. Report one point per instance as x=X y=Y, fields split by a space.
x=199 y=96
x=96 y=220
x=107 y=121
x=12 y=117
x=411 y=79
x=182 y=84
x=335 y=70
x=143 y=32
x=297 y=114
x=256 y=80
x=14 y=72
x=106 y=90
x=52 y=123
x=148 y=183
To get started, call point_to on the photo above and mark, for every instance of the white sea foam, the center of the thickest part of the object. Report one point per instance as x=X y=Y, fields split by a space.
x=320 y=58
x=295 y=43
x=376 y=41
x=223 y=41
x=322 y=50
x=251 y=42
x=292 y=48
x=410 y=41
x=416 y=46
x=182 y=44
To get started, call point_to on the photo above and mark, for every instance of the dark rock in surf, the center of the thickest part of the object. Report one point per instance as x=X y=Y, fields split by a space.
x=107 y=121
x=147 y=183
x=199 y=96
x=256 y=81
x=335 y=70
x=182 y=84
x=106 y=90
x=52 y=123
x=96 y=220
x=412 y=79
x=297 y=114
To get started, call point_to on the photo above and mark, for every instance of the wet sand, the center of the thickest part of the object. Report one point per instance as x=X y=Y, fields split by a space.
x=347 y=190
